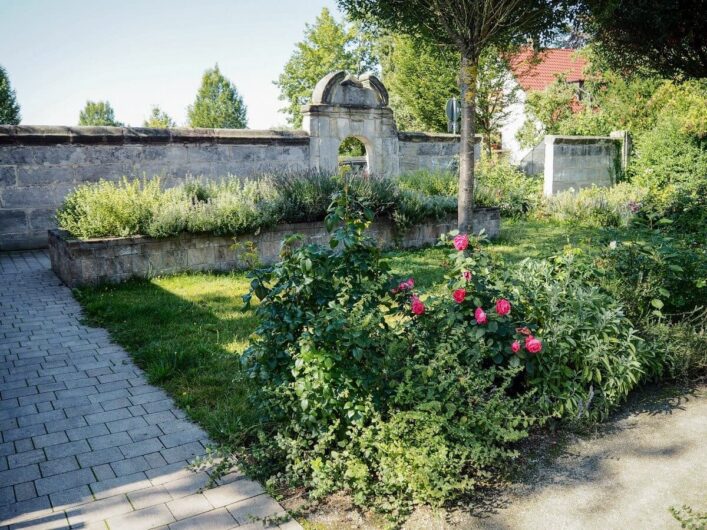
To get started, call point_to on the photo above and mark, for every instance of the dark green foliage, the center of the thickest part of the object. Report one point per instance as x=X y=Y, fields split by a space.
x=358 y=394
x=656 y=275
x=218 y=104
x=9 y=108
x=664 y=36
x=592 y=357
x=98 y=113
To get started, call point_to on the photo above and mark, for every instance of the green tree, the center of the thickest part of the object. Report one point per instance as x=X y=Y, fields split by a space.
x=9 y=108
x=327 y=46
x=218 y=104
x=664 y=36
x=159 y=119
x=420 y=78
x=469 y=27
x=495 y=95
x=98 y=113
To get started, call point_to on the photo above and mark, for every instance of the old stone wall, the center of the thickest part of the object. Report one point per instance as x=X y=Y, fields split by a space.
x=95 y=261
x=575 y=162
x=39 y=166
x=437 y=151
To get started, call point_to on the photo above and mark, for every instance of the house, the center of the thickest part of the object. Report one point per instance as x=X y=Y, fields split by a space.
x=535 y=71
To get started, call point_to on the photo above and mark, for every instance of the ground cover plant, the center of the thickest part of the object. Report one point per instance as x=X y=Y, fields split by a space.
x=233 y=206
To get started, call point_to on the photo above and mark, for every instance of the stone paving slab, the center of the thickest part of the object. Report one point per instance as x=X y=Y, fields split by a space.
x=86 y=441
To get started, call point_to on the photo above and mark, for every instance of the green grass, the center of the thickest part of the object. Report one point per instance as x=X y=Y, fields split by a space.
x=188 y=330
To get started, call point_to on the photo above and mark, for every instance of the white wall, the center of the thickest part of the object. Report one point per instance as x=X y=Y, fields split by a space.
x=513 y=124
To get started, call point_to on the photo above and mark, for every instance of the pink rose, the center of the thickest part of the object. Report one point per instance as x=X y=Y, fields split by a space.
x=459 y=295
x=503 y=307
x=480 y=316
x=461 y=241
x=466 y=275
x=417 y=306
x=515 y=346
x=533 y=345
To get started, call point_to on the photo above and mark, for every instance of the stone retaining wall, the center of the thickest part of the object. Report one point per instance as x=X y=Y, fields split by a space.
x=95 y=261
x=39 y=166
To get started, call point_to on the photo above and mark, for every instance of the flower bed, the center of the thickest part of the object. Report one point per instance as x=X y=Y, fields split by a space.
x=93 y=261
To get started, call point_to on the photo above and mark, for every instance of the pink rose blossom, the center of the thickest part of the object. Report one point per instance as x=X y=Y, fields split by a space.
x=533 y=345
x=461 y=241
x=459 y=295
x=503 y=307
x=466 y=275
x=515 y=346
x=417 y=306
x=480 y=316
x=404 y=286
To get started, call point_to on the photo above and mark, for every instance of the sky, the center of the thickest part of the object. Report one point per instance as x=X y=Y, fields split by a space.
x=139 y=53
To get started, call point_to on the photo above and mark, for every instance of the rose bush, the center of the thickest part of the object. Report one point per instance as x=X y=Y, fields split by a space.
x=401 y=397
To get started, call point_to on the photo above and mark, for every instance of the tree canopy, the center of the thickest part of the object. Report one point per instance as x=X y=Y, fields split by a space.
x=98 y=113
x=664 y=36
x=9 y=108
x=327 y=46
x=218 y=104
x=470 y=27
x=159 y=119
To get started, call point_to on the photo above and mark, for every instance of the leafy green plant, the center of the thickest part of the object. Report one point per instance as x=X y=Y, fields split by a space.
x=655 y=275
x=602 y=207
x=592 y=356
x=364 y=389
x=110 y=209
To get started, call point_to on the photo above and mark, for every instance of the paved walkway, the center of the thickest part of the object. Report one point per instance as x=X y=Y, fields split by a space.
x=86 y=441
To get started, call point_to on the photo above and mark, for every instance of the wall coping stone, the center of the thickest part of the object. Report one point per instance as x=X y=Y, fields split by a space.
x=56 y=134
x=579 y=139
x=415 y=136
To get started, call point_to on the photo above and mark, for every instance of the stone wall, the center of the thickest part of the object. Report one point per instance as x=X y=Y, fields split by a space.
x=575 y=162
x=90 y=262
x=430 y=150
x=40 y=165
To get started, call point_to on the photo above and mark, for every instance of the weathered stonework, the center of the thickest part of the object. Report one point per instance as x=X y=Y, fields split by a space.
x=575 y=162
x=91 y=262
x=39 y=166
x=436 y=151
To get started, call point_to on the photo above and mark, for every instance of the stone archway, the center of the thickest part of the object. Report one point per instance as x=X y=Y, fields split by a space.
x=344 y=105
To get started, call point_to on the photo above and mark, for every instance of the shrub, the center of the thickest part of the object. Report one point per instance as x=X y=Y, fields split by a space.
x=656 y=275
x=602 y=207
x=682 y=347
x=498 y=183
x=591 y=355
x=110 y=209
x=368 y=387
x=364 y=390
x=503 y=185
x=234 y=206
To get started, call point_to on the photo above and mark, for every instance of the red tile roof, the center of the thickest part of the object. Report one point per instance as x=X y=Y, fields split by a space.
x=536 y=71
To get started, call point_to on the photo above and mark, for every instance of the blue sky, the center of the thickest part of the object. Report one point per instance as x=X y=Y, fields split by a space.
x=60 y=53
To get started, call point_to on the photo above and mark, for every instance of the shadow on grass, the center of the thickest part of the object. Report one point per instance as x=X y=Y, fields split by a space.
x=187 y=335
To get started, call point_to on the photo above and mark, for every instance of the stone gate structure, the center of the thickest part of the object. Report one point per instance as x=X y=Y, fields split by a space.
x=39 y=165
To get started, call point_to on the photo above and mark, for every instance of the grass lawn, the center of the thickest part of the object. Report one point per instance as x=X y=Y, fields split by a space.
x=188 y=330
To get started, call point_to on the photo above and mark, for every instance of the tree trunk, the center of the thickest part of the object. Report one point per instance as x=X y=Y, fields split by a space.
x=467 y=78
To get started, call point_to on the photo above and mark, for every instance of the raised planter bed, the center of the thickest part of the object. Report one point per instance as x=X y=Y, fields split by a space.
x=90 y=262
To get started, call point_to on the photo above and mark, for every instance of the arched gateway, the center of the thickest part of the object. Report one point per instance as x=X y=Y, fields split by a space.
x=344 y=105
